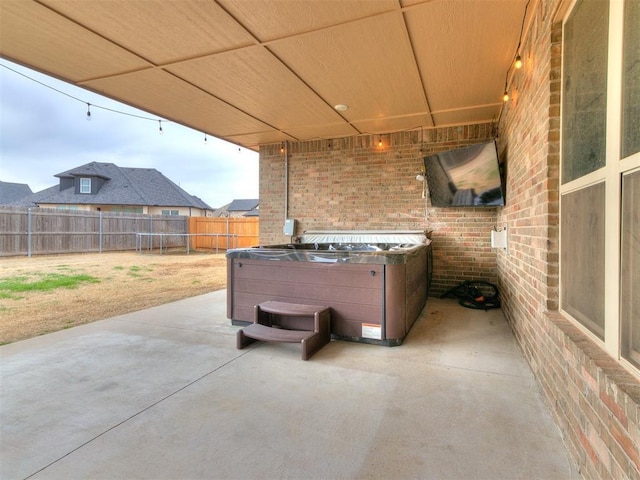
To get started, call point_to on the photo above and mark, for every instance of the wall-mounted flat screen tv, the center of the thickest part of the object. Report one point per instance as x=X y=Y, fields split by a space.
x=465 y=177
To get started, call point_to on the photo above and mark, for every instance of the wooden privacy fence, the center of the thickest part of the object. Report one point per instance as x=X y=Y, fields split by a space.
x=34 y=231
x=223 y=232
x=41 y=231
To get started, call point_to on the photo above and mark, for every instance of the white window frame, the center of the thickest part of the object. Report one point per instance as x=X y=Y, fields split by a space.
x=85 y=185
x=611 y=174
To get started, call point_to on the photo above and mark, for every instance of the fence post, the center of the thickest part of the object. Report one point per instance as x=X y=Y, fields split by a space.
x=150 y=231
x=100 y=230
x=29 y=232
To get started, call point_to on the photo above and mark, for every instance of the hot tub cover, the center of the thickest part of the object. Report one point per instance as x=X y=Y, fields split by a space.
x=375 y=247
x=414 y=237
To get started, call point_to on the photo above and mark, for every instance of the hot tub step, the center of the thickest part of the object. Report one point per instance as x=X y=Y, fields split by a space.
x=273 y=322
x=274 y=334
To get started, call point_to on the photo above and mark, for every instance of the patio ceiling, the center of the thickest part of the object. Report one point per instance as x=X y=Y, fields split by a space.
x=264 y=71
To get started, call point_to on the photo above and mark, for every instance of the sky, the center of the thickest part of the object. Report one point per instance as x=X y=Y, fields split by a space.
x=44 y=132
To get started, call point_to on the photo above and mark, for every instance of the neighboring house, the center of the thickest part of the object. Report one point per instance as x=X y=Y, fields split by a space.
x=110 y=188
x=240 y=208
x=13 y=192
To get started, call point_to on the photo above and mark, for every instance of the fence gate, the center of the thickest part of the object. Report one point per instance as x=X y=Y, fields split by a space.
x=231 y=232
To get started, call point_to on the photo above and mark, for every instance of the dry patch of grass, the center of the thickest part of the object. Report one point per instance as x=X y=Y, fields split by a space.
x=44 y=294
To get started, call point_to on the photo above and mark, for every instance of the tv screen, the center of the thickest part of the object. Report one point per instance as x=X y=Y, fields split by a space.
x=465 y=177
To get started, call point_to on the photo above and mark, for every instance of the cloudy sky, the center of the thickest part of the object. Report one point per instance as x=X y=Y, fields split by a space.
x=44 y=132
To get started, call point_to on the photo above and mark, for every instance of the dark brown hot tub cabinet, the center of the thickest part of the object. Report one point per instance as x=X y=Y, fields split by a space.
x=375 y=291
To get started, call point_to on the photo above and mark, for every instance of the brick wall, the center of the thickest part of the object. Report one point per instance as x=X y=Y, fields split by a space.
x=595 y=402
x=353 y=184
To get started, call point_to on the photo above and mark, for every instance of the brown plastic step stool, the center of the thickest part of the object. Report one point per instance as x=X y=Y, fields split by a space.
x=275 y=321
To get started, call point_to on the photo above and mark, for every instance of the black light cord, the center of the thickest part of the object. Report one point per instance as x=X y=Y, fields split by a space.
x=506 y=77
x=79 y=100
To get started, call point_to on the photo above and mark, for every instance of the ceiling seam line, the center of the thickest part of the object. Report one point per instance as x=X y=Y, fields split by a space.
x=266 y=43
x=265 y=46
x=151 y=64
x=154 y=66
x=84 y=27
x=474 y=107
x=417 y=67
x=320 y=97
x=220 y=100
x=201 y=56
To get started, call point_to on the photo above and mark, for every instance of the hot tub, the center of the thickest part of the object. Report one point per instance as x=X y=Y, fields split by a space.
x=376 y=283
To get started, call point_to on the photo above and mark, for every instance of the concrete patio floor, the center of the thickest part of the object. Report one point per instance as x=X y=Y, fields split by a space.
x=164 y=394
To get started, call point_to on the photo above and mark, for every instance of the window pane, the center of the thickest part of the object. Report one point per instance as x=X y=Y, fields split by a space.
x=85 y=185
x=631 y=80
x=630 y=268
x=584 y=96
x=582 y=257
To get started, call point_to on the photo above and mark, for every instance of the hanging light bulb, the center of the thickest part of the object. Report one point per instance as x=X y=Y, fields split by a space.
x=518 y=63
x=88 y=112
x=505 y=96
x=380 y=141
x=205 y=138
x=160 y=127
x=282 y=148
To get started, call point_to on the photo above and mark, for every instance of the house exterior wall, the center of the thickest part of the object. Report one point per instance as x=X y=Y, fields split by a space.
x=67 y=207
x=353 y=184
x=182 y=211
x=595 y=402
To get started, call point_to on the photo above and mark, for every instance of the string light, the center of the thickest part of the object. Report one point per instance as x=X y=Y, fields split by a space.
x=518 y=63
x=205 y=138
x=518 y=60
x=380 y=141
x=160 y=127
x=282 y=148
x=89 y=105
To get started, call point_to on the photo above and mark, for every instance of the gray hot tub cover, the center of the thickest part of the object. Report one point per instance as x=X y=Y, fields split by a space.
x=414 y=237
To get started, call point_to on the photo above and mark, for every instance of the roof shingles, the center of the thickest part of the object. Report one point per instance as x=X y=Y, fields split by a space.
x=11 y=192
x=122 y=186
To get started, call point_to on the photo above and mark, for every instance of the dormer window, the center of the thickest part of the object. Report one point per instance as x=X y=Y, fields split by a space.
x=85 y=185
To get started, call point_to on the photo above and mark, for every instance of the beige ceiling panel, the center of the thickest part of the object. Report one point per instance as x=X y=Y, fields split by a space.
x=254 y=140
x=366 y=65
x=487 y=113
x=256 y=82
x=31 y=35
x=408 y=3
x=163 y=94
x=464 y=49
x=325 y=52
x=388 y=125
x=321 y=131
x=159 y=30
x=269 y=20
